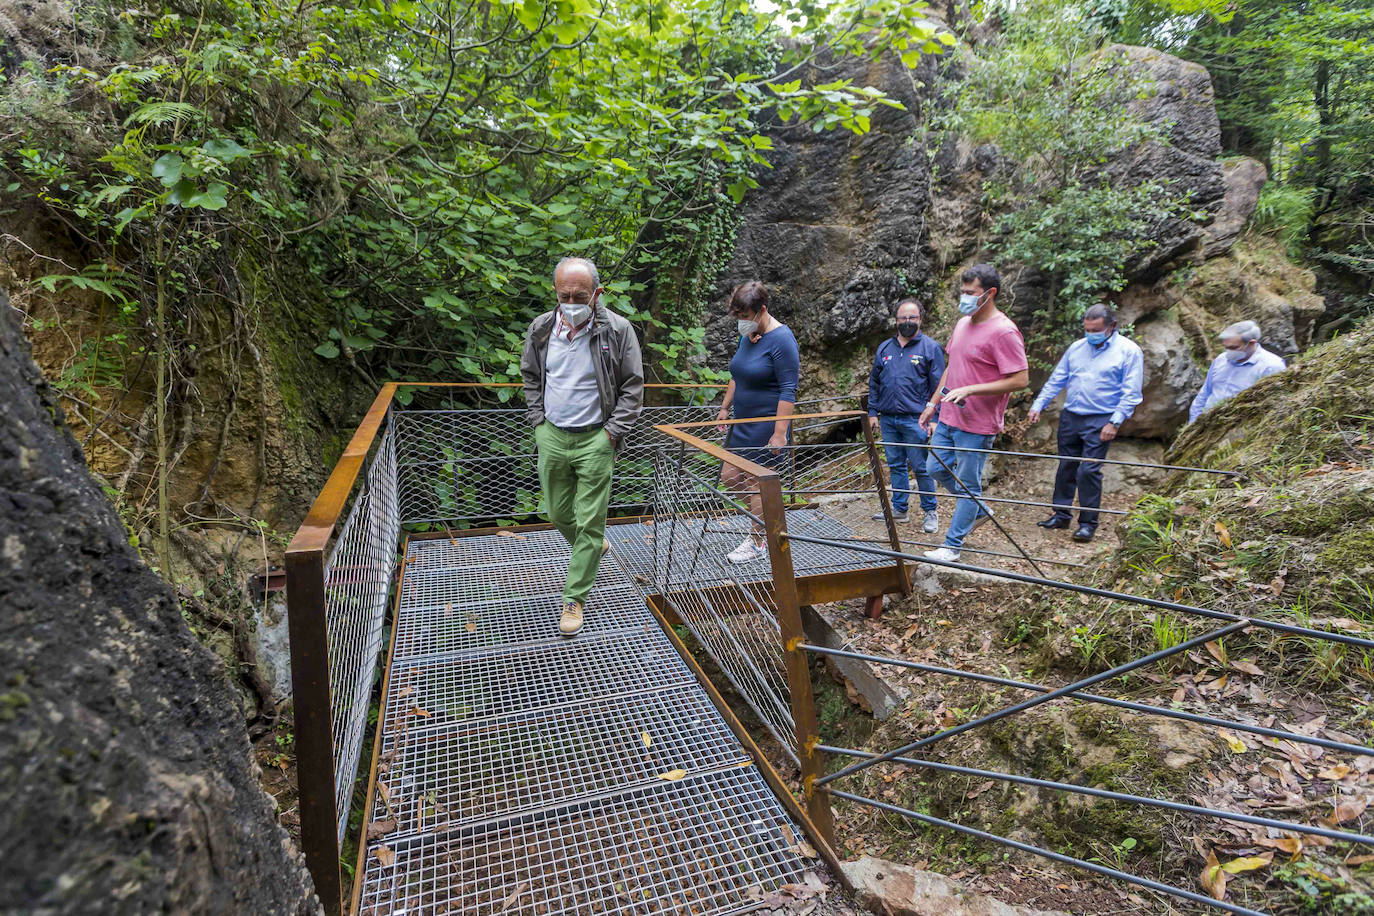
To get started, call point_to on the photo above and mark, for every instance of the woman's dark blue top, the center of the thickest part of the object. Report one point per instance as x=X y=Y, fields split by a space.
x=765 y=373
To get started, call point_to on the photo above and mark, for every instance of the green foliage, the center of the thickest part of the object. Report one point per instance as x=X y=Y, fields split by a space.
x=427 y=163
x=1284 y=211
x=1294 y=87
x=1082 y=236
x=1055 y=102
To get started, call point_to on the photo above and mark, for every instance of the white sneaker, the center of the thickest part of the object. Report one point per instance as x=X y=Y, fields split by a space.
x=931 y=524
x=943 y=554
x=747 y=552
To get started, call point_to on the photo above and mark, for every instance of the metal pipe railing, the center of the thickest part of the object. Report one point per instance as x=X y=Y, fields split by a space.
x=1057 y=457
x=1147 y=801
x=1288 y=629
x=1162 y=711
x=1064 y=691
x=940 y=494
x=1104 y=870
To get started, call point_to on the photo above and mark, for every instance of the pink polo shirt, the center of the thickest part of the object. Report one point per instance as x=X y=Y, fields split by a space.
x=984 y=352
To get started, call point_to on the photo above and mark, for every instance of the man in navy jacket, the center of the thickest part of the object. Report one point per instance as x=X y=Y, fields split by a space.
x=906 y=370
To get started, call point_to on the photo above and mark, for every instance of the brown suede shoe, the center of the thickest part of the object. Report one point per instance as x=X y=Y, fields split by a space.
x=571 y=621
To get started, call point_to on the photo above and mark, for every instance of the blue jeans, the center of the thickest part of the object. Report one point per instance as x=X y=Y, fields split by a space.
x=968 y=468
x=906 y=430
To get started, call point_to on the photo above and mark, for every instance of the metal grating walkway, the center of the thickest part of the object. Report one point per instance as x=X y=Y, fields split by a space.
x=520 y=772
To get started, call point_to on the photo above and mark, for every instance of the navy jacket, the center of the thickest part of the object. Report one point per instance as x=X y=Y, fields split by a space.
x=903 y=378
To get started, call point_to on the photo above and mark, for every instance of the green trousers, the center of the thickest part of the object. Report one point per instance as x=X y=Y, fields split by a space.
x=575 y=473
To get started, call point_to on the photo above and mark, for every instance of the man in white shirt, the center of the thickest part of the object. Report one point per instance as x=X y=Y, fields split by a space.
x=584 y=388
x=1242 y=362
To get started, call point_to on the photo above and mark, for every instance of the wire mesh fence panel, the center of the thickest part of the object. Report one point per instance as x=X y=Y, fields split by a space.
x=466 y=466
x=696 y=526
x=357 y=581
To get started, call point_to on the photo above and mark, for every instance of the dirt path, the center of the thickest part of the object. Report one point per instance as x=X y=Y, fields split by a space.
x=1024 y=478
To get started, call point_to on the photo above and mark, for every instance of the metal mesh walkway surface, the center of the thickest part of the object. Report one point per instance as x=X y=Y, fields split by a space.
x=520 y=772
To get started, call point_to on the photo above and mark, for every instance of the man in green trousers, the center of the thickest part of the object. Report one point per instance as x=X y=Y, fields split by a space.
x=584 y=388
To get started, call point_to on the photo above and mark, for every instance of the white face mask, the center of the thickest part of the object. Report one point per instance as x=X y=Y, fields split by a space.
x=575 y=313
x=1239 y=356
x=968 y=303
x=747 y=327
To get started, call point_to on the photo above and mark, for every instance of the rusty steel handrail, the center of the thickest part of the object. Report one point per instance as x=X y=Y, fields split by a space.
x=310 y=650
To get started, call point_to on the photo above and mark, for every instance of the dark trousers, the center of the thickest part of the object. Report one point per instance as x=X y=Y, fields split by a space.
x=1080 y=435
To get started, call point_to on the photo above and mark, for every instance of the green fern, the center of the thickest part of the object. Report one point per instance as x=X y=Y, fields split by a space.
x=159 y=114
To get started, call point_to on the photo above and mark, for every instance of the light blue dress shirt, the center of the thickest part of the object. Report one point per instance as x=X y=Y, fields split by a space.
x=1226 y=379
x=1101 y=379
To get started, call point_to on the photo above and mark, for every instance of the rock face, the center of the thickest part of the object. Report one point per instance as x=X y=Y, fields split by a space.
x=128 y=786
x=837 y=229
x=886 y=887
x=1171 y=379
x=1179 y=101
x=1244 y=179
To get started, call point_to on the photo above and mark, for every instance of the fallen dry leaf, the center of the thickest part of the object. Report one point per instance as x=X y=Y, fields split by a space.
x=1235 y=744
x=510 y=534
x=1213 y=879
x=1335 y=773
x=672 y=775
x=420 y=711
x=1224 y=536
x=378 y=829
x=804 y=849
x=647 y=738
x=1359 y=860
x=1346 y=811
x=1247 y=863
x=514 y=895
x=404 y=692
x=385 y=855
x=1247 y=668
x=472 y=625
x=1289 y=844
x=1216 y=650
x=979 y=789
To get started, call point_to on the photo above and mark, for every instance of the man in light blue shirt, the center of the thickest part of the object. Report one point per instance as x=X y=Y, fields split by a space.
x=1242 y=363
x=1103 y=372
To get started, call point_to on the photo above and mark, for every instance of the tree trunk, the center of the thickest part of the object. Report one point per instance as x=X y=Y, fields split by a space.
x=126 y=779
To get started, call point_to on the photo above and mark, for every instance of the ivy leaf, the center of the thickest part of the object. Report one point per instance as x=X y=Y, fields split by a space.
x=225 y=151
x=182 y=192
x=212 y=198
x=328 y=349
x=167 y=169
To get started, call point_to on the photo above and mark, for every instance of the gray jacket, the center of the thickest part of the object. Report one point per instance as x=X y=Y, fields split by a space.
x=619 y=369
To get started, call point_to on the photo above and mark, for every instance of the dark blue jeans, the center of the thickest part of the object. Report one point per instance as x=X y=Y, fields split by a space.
x=1080 y=435
x=906 y=430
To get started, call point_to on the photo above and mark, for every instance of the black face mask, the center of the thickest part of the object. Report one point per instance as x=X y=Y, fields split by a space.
x=908 y=329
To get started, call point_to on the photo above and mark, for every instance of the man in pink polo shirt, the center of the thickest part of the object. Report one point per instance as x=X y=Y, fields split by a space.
x=987 y=362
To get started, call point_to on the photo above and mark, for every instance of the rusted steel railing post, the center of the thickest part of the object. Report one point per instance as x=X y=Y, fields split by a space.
x=314 y=728
x=893 y=537
x=805 y=728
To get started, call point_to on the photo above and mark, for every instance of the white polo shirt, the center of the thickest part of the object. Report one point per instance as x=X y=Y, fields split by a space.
x=571 y=397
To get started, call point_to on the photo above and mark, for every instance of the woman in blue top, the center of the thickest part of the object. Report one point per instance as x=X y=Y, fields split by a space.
x=763 y=383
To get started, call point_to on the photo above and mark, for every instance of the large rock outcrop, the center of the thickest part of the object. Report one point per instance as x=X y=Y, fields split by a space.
x=838 y=227
x=1177 y=100
x=126 y=782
